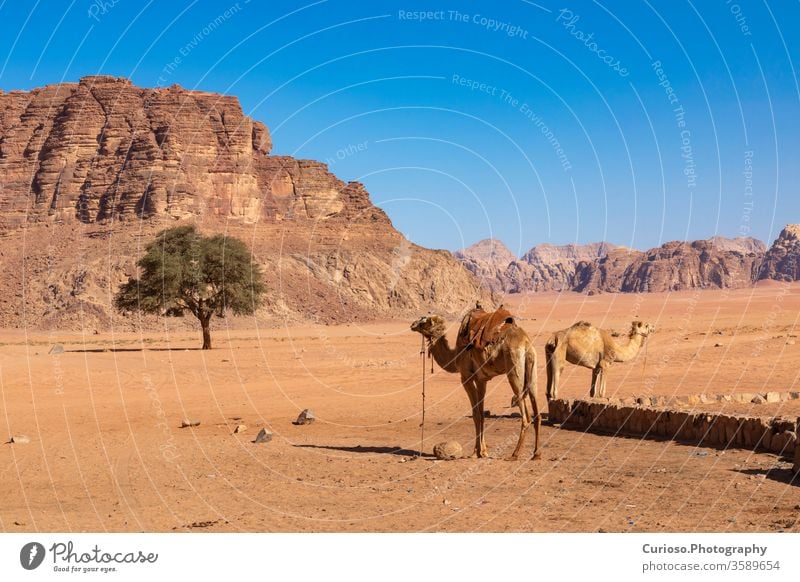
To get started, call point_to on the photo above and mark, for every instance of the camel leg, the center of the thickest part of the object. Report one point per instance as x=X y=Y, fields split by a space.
x=602 y=387
x=517 y=385
x=531 y=386
x=480 y=395
x=596 y=371
x=552 y=372
x=537 y=422
x=472 y=391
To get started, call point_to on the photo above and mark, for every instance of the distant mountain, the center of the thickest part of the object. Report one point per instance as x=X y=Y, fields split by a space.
x=548 y=267
x=742 y=244
x=488 y=260
x=782 y=261
x=603 y=267
x=672 y=267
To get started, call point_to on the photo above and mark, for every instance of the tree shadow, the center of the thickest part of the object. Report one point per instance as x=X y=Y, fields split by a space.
x=399 y=451
x=788 y=476
x=120 y=350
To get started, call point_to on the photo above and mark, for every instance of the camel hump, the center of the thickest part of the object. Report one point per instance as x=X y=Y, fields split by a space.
x=481 y=329
x=582 y=324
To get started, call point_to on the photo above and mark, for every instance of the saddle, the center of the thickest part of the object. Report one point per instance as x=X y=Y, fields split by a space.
x=480 y=328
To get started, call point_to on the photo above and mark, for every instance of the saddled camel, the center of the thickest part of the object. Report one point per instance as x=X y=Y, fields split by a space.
x=488 y=345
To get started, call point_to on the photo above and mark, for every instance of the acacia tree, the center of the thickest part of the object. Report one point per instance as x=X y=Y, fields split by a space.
x=182 y=270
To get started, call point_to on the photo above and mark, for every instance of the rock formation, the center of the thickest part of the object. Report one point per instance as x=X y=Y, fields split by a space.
x=782 y=261
x=90 y=171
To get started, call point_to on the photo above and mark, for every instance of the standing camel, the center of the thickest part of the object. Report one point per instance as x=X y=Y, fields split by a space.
x=482 y=352
x=584 y=345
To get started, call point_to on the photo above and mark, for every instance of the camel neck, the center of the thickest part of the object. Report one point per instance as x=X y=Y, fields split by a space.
x=443 y=355
x=631 y=349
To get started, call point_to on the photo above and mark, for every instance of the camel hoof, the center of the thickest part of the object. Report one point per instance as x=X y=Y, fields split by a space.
x=536 y=456
x=513 y=458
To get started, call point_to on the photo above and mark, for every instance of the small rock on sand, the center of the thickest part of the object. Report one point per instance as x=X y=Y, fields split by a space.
x=263 y=436
x=187 y=423
x=239 y=428
x=56 y=349
x=758 y=399
x=305 y=417
x=447 y=451
x=19 y=439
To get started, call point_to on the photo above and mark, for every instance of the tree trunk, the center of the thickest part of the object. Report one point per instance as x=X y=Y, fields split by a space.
x=205 y=322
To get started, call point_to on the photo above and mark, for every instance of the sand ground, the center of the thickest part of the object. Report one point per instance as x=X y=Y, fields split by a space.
x=107 y=453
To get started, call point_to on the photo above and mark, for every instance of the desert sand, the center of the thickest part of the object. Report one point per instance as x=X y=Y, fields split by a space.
x=106 y=452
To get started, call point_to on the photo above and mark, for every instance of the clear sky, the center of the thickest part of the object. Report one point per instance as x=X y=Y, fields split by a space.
x=626 y=121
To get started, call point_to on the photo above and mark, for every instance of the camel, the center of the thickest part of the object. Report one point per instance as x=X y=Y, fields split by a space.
x=584 y=345
x=509 y=352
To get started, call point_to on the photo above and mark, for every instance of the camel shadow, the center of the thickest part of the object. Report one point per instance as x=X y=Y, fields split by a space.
x=399 y=451
x=121 y=350
x=787 y=476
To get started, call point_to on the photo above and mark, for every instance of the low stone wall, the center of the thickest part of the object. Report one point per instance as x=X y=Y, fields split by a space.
x=774 y=435
x=796 y=467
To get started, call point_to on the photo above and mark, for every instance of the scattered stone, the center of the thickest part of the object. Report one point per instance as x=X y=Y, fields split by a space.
x=447 y=451
x=20 y=439
x=305 y=417
x=773 y=397
x=487 y=414
x=790 y=342
x=717 y=345
x=263 y=436
x=758 y=399
x=239 y=428
x=56 y=349
x=188 y=423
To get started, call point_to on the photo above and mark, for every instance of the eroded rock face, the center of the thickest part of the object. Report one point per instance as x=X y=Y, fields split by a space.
x=91 y=171
x=782 y=261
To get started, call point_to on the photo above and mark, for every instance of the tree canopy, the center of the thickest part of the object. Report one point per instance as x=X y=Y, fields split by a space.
x=183 y=270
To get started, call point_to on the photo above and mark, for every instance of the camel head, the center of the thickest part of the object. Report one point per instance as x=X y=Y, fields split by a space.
x=641 y=328
x=431 y=326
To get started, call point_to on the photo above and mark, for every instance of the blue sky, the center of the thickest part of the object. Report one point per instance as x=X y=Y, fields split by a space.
x=631 y=122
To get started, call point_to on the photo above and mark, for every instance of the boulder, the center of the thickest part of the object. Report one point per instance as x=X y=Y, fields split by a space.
x=448 y=450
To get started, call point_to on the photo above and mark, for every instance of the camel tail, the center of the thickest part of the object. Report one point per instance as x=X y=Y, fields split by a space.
x=530 y=373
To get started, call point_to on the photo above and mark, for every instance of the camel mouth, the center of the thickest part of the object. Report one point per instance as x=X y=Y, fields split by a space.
x=415 y=326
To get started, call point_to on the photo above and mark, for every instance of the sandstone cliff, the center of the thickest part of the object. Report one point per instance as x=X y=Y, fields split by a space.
x=90 y=171
x=782 y=261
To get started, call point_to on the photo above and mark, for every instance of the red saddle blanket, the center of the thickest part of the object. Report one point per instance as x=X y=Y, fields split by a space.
x=480 y=328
